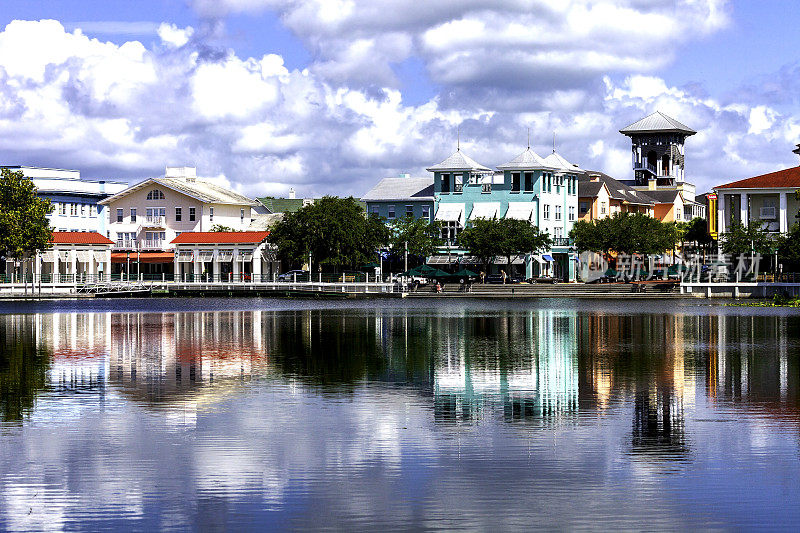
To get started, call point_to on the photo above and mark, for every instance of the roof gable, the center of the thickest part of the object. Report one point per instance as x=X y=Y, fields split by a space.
x=657 y=122
x=458 y=160
x=401 y=189
x=787 y=178
x=200 y=190
x=557 y=161
x=79 y=237
x=526 y=160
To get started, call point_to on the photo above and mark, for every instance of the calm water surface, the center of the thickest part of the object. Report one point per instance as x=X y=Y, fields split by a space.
x=279 y=414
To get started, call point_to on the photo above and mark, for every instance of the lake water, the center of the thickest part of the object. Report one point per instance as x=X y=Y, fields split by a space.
x=285 y=414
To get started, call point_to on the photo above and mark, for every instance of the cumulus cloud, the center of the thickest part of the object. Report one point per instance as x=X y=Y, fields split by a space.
x=580 y=69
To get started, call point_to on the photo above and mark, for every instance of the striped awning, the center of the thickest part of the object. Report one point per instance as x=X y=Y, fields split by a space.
x=487 y=210
x=448 y=212
x=83 y=256
x=245 y=255
x=48 y=256
x=225 y=255
x=442 y=259
x=520 y=210
x=206 y=256
x=185 y=256
x=100 y=257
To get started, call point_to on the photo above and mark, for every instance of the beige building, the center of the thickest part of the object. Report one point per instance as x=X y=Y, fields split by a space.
x=145 y=218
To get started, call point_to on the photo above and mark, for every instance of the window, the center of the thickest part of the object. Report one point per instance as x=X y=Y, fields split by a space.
x=133 y=214
x=192 y=216
x=515 y=182
x=529 y=182
x=583 y=208
x=211 y=214
x=486 y=188
x=375 y=210
x=156 y=214
x=426 y=212
x=409 y=211
x=391 y=212
x=83 y=210
x=572 y=213
x=62 y=209
x=120 y=215
x=73 y=210
x=602 y=208
x=178 y=214
x=546 y=212
x=446 y=183
x=473 y=178
x=155 y=194
x=558 y=232
x=91 y=210
x=241 y=215
x=459 y=179
x=558 y=212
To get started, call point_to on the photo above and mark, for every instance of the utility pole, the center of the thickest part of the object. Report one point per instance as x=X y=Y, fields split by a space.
x=406 y=258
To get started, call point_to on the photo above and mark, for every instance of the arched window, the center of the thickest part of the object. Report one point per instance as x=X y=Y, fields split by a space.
x=155 y=194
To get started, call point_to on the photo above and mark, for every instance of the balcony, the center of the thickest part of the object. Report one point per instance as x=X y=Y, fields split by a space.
x=561 y=241
x=641 y=165
x=153 y=244
x=154 y=222
x=125 y=244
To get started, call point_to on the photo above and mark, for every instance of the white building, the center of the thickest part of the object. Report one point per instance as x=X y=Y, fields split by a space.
x=225 y=256
x=75 y=201
x=146 y=218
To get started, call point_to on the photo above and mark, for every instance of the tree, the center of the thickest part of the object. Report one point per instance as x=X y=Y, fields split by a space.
x=333 y=230
x=220 y=228
x=789 y=249
x=24 y=228
x=746 y=240
x=421 y=236
x=625 y=233
x=505 y=237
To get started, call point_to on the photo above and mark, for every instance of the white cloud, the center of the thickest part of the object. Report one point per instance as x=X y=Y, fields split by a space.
x=173 y=35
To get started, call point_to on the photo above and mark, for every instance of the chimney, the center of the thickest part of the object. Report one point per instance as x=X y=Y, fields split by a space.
x=187 y=173
x=405 y=175
x=292 y=194
x=594 y=177
x=797 y=150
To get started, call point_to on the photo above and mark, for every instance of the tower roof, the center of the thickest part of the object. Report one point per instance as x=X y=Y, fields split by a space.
x=458 y=161
x=526 y=160
x=655 y=123
x=557 y=162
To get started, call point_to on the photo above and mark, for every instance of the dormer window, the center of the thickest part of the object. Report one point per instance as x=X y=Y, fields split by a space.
x=155 y=194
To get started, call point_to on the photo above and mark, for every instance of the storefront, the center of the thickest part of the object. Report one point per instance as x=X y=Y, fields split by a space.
x=225 y=256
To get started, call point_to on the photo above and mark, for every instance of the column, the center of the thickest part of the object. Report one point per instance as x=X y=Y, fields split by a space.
x=73 y=264
x=744 y=217
x=721 y=220
x=56 y=266
x=257 y=263
x=236 y=264
x=176 y=269
x=196 y=264
x=37 y=273
x=783 y=214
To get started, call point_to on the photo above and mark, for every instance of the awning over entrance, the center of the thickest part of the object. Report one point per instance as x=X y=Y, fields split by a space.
x=48 y=256
x=442 y=260
x=205 y=256
x=225 y=255
x=520 y=210
x=185 y=256
x=83 y=256
x=547 y=257
x=100 y=257
x=450 y=213
x=486 y=210
x=144 y=257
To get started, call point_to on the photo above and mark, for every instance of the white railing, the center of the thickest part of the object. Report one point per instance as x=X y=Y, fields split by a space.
x=129 y=244
x=153 y=244
x=152 y=220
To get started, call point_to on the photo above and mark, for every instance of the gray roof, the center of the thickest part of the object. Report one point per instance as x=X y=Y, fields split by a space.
x=657 y=122
x=617 y=189
x=400 y=189
x=198 y=189
x=264 y=221
x=527 y=160
x=664 y=197
x=458 y=161
x=558 y=162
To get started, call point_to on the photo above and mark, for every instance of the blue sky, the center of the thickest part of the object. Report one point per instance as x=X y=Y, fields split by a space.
x=328 y=96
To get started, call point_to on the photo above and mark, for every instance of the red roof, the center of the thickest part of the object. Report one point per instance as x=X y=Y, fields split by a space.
x=79 y=237
x=221 y=237
x=782 y=178
x=144 y=257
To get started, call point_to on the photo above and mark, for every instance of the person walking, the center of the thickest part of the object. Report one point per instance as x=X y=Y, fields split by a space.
x=503 y=273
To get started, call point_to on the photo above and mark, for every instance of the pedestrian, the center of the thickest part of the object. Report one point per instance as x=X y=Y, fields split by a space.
x=438 y=287
x=461 y=285
x=483 y=277
x=503 y=273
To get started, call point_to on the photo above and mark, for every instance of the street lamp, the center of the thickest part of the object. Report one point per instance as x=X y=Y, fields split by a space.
x=128 y=269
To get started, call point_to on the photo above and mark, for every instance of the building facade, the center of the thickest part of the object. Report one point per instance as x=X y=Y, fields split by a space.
x=601 y=196
x=225 y=256
x=770 y=200
x=146 y=218
x=75 y=201
x=404 y=196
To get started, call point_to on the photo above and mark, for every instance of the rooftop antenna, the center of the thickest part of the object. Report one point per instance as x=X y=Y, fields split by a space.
x=458 y=139
x=529 y=138
x=554 y=142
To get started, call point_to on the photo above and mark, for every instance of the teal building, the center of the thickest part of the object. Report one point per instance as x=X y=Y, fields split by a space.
x=542 y=191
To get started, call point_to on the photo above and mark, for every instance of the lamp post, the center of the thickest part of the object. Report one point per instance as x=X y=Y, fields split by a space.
x=406 y=257
x=128 y=268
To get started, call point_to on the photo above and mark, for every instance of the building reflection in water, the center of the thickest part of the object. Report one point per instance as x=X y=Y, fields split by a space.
x=525 y=363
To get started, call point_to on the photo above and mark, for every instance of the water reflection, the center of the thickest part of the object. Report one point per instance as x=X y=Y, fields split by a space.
x=364 y=418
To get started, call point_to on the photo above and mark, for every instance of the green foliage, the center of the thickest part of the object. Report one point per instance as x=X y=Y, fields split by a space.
x=744 y=240
x=626 y=233
x=220 y=228
x=697 y=232
x=335 y=232
x=24 y=228
x=422 y=237
x=789 y=250
x=487 y=238
x=23 y=369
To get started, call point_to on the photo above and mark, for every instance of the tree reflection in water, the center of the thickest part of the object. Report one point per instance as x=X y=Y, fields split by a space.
x=23 y=366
